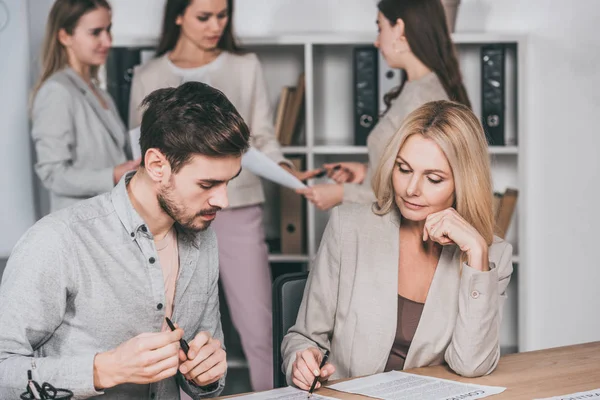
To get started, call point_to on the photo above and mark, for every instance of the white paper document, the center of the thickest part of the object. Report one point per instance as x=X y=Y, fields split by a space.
x=134 y=142
x=396 y=385
x=287 y=393
x=261 y=165
x=591 y=394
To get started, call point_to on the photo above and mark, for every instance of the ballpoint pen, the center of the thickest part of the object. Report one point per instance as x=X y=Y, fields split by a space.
x=323 y=361
x=184 y=345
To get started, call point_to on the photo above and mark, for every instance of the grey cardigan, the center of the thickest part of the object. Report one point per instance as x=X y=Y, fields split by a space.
x=78 y=142
x=351 y=298
x=414 y=94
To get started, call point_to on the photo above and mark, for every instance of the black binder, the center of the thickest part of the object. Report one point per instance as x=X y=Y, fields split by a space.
x=366 y=96
x=119 y=73
x=493 y=85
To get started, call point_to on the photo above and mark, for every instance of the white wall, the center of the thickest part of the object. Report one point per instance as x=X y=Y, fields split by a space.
x=17 y=211
x=558 y=292
x=560 y=270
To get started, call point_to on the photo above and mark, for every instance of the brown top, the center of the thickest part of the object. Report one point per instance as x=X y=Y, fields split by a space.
x=409 y=314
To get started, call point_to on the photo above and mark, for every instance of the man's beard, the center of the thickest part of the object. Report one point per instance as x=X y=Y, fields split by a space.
x=183 y=223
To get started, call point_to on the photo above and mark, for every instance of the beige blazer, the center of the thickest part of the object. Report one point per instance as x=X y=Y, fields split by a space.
x=241 y=79
x=77 y=142
x=414 y=94
x=350 y=302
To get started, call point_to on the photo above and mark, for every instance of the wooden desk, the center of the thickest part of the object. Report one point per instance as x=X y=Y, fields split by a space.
x=531 y=375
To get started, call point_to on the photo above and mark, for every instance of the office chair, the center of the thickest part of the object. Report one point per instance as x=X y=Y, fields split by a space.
x=287 y=296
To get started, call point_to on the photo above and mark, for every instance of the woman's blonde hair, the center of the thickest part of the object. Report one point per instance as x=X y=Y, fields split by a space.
x=458 y=132
x=65 y=14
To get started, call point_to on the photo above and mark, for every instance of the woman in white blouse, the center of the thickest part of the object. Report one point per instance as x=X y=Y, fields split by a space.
x=197 y=44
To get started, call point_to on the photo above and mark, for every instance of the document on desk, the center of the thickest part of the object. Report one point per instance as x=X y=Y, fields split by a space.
x=396 y=385
x=259 y=164
x=591 y=394
x=287 y=393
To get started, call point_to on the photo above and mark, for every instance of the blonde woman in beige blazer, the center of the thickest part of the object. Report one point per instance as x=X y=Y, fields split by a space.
x=417 y=278
x=80 y=140
x=413 y=37
x=197 y=44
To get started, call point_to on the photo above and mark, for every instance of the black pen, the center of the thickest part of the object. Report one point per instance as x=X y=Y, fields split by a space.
x=324 y=171
x=323 y=361
x=184 y=346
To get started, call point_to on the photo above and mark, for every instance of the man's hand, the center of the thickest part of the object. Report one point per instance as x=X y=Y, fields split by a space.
x=146 y=358
x=205 y=362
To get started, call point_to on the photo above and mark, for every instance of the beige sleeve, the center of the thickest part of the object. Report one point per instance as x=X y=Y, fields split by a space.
x=475 y=347
x=316 y=316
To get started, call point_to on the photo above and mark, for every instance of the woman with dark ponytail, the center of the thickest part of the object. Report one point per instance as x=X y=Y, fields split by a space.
x=413 y=37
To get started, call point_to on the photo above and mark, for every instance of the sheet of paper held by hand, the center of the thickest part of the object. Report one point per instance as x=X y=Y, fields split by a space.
x=259 y=164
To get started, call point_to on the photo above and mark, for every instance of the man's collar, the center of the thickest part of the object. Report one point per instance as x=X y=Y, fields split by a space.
x=129 y=217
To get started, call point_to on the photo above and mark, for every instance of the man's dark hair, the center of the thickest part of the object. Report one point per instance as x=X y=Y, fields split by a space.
x=191 y=119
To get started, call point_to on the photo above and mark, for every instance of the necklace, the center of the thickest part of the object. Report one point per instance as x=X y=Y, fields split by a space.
x=158 y=243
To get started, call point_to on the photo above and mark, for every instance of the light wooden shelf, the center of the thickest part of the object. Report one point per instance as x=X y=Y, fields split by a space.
x=514 y=150
x=348 y=38
x=294 y=150
x=336 y=149
x=340 y=149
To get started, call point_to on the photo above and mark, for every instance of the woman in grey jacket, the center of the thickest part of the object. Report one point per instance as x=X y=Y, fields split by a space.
x=79 y=139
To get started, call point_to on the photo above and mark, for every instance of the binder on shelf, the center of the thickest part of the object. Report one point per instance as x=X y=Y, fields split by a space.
x=119 y=73
x=506 y=211
x=496 y=204
x=366 y=92
x=294 y=110
x=284 y=97
x=292 y=217
x=493 y=83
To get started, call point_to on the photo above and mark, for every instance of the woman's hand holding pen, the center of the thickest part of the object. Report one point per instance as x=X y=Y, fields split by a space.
x=301 y=175
x=146 y=358
x=448 y=227
x=205 y=362
x=326 y=196
x=306 y=367
x=346 y=172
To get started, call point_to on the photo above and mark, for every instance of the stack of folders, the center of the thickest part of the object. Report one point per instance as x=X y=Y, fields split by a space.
x=504 y=208
x=290 y=112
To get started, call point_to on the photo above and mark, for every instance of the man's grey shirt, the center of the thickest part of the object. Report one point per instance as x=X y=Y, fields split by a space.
x=87 y=278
